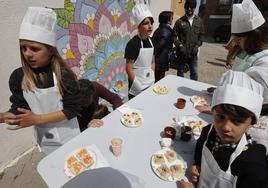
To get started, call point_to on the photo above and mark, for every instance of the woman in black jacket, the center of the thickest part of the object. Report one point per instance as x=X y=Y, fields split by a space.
x=162 y=40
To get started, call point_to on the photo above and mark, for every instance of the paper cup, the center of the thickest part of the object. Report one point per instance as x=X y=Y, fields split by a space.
x=116 y=144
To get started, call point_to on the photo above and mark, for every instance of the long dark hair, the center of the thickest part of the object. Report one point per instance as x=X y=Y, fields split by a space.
x=257 y=40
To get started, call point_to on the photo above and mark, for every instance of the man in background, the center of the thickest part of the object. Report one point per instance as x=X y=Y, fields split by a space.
x=188 y=37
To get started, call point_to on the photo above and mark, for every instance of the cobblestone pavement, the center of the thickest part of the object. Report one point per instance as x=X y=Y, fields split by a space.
x=23 y=173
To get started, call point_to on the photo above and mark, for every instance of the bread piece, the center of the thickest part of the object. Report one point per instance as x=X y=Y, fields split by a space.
x=177 y=171
x=138 y=121
x=135 y=115
x=71 y=160
x=171 y=155
x=76 y=168
x=159 y=159
x=87 y=161
x=164 y=171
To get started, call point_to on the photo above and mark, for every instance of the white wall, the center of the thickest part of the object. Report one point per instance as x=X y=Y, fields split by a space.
x=13 y=143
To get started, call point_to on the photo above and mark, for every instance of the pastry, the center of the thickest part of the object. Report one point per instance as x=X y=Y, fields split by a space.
x=76 y=168
x=159 y=159
x=71 y=160
x=87 y=161
x=198 y=99
x=177 y=171
x=164 y=171
x=82 y=153
x=127 y=121
x=196 y=125
x=135 y=115
x=138 y=121
x=171 y=155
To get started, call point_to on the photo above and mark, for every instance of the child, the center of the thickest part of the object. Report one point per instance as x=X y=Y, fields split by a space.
x=45 y=92
x=224 y=155
x=139 y=53
x=92 y=112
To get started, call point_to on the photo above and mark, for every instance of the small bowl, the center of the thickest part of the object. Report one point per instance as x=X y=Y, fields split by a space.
x=180 y=103
x=170 y=132
x=186 y=133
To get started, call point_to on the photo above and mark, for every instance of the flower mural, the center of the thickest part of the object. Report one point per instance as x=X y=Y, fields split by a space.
x=92 y=35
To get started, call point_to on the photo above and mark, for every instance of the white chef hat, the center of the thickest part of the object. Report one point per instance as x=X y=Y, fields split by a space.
x=246 y=17
x=38 y=25
x=237 y=88
x=140 y=12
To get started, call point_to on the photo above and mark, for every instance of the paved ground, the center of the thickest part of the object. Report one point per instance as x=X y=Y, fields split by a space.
x=23 y=173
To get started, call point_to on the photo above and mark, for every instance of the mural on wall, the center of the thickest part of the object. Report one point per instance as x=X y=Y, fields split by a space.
x=92 y=35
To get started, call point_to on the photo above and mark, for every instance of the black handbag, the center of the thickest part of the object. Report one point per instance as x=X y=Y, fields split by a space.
x=173 y=61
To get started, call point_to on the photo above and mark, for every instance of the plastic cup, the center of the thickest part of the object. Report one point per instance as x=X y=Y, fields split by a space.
x=116 y=144
x=180 y=103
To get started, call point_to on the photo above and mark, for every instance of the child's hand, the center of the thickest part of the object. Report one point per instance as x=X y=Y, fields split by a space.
x=203 y=109
x=95 y=123
x=195 y=172
x=7 y=116
x=184 y=184
x=25 y=119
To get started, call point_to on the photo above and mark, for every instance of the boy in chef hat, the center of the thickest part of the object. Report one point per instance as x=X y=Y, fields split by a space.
x=139 y=52
x=224 y=155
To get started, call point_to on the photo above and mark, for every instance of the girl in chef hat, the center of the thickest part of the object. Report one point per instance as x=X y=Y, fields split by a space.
x=225 y=156
x=45 y=92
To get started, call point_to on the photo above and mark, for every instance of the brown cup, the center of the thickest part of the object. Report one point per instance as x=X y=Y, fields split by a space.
x=180 y=103
x=170 y=132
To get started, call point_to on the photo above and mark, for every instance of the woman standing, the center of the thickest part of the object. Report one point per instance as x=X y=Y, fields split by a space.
x=163 y=41
x=45 y=92
x=139 y=53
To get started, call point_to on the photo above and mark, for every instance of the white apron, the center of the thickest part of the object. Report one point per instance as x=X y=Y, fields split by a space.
x=244 y=61
x=211 y=175
x=144 y=75
x=50 y=136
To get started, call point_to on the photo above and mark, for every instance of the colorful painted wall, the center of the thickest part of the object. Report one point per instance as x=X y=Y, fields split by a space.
x=92 y=35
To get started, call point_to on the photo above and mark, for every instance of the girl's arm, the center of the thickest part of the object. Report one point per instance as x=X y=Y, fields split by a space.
x=129 y=70
x=111 y=97
x=28 y=118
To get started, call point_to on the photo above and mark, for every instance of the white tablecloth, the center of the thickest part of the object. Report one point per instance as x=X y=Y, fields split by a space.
x=140 y=143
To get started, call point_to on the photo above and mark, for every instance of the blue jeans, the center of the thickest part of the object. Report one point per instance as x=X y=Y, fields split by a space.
x=192 y=62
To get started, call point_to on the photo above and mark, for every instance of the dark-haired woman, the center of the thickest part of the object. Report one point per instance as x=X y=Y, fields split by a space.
x=162 y=40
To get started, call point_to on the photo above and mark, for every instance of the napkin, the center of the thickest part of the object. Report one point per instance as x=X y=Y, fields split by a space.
x=125 y=109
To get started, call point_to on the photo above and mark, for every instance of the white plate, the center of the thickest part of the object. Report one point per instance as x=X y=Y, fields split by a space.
x=129 y=119
x=198 y=100
x=162 y=90
x=179 y=161
x=67 y=170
